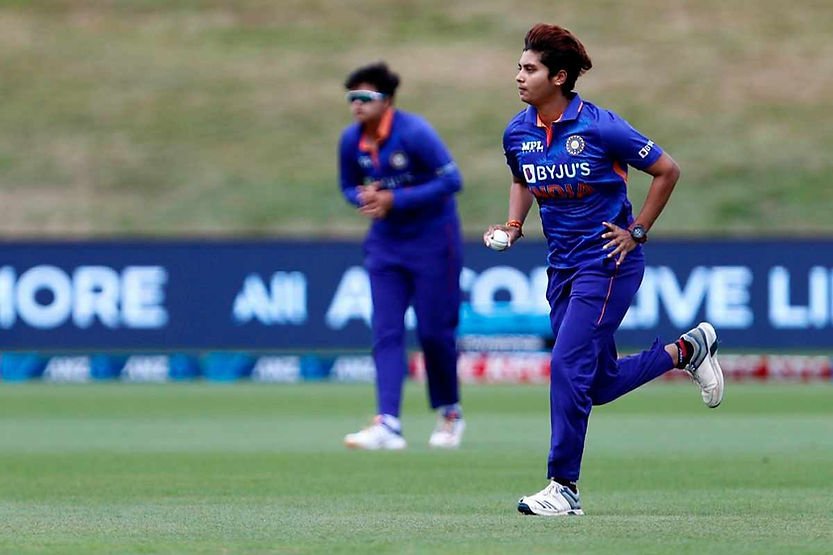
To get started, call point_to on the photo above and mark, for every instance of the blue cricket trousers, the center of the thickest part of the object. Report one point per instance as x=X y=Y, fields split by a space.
x=587 y=307
x=423 y=272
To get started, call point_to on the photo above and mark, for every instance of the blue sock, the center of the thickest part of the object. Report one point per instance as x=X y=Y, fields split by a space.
x=452 y=412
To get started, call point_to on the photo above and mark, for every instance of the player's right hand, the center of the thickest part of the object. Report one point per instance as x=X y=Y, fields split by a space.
x=513 y=232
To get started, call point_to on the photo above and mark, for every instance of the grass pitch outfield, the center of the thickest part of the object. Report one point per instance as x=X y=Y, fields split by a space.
x=200 y=468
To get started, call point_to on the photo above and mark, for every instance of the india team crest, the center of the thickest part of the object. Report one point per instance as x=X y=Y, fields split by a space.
x=398 y=160
x=574 y=145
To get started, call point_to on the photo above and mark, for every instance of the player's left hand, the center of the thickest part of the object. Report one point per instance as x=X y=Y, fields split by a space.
x=375 y=202
x=619 y=240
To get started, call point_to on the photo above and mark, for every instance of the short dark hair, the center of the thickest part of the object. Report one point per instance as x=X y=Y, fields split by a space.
x=559 y=49
x=379 y=75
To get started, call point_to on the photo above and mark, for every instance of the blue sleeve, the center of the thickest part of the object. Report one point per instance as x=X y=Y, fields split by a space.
x=626 y=144
x=425 y=145
x=350 y=174
x=511 y=157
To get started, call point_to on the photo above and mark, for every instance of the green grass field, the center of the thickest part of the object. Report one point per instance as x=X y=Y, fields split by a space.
x=245 y=468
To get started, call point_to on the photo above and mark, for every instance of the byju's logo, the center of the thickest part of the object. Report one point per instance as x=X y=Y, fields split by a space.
x=533 y=174
x=532 y=146
x=529 y=173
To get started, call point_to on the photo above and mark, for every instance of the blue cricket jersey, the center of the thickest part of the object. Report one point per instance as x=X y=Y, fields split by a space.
x=578 y=172
x=411 y=161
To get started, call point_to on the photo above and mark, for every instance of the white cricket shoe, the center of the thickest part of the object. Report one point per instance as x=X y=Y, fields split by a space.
x=375 y=437
x=704 y=368
x=448 y=433
x=553 y=500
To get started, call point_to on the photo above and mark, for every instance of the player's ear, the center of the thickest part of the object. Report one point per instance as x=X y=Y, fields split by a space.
x=559 y=78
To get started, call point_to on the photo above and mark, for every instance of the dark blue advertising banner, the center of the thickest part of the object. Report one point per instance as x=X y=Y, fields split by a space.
x=296 y=296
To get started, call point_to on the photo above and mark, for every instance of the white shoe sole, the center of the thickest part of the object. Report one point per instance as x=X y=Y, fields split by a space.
x=711 y=359
x=719 y=373
x=396 y=446
x=523 y=508
x=443 y=444
x=359 y=447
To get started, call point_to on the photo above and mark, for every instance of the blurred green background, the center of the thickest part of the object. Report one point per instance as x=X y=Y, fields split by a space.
x=186 y=117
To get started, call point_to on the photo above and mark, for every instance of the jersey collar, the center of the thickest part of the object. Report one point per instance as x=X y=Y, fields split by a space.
x=570 y=113
x=370 y=143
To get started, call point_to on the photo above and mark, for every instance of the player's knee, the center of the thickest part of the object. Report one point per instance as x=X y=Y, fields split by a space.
x=436 y=341
x=388 y=337
x=599 y=399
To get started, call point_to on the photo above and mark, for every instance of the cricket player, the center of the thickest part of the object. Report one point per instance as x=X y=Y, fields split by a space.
x=572 y=157
x=398 y=173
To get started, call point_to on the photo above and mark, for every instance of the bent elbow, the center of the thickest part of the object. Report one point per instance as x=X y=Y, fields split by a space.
x=457 y=186
x=453 y=182
x=671 y=169
x=676 y=172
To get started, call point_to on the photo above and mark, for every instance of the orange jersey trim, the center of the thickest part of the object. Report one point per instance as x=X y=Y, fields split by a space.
x=369 y=142
x=607 y=297
x=620 y=171
x=548 y=128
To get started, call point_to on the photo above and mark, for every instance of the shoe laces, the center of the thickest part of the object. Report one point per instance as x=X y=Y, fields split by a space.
x=692 y=375
x=553 y=488
x=444 y=426
x=376 y=426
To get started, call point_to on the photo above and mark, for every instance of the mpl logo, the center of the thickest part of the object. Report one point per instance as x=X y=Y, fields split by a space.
x=532 y=146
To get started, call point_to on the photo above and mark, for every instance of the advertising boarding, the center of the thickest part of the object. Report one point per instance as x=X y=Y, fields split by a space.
x=300 y=296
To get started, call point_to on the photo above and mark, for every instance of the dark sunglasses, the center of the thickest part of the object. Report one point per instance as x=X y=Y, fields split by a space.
x=364 y=96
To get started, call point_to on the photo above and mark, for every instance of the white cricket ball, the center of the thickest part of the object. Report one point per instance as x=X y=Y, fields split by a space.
x=499 y=240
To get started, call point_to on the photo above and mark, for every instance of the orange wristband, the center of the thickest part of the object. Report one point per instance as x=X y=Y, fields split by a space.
x=517 y=225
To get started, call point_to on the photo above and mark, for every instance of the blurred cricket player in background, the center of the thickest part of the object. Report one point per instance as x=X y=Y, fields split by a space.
x=397 y=171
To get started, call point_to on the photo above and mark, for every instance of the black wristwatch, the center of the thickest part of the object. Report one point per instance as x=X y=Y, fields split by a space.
x=639 y=234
